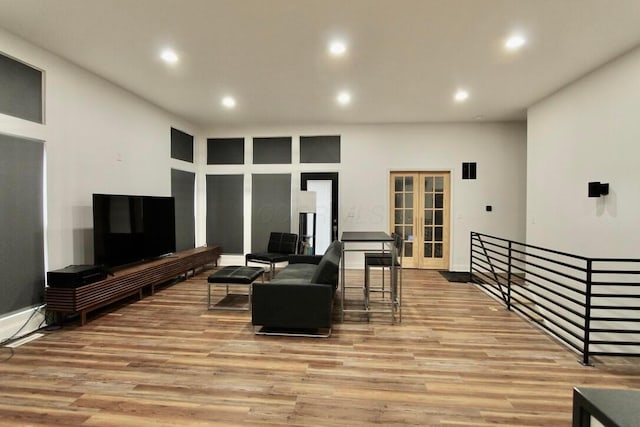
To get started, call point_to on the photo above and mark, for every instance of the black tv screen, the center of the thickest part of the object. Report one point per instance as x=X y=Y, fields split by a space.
x=129 y=229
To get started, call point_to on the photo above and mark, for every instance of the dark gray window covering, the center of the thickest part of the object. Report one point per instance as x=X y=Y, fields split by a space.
x=270 y=207
x=181 y=145
x=225 y=216
x=272 y=150
x=320 y=149
x=183 y=191
x=20 y=90
x=21 y=224
x=225 y=151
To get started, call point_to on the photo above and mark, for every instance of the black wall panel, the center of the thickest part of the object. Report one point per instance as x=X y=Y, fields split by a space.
x=225 y=215
x=272 y=150
x=181 y=145
x=225 y=151
x=21 y=224
x=20 y=90
x=270 y=207
x=183 y=190
x=320 y=149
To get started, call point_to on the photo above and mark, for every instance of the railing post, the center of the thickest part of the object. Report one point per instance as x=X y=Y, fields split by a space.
x=509 y=278
x=587 y=314
x=471 y=257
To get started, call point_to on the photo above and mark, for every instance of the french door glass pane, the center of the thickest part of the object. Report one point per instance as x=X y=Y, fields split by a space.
x=439 y=201
x=408 y=200
x=398 y=183
x=428 y=218
x=428 y=185
x=408 y=249
x=428 y=251
x=438 y=234
x=439 y=184
x=439 y=220
x=398 y=201
x=398 y=216
x=437 y=250
x=428 y=234
x=408 y=233
x=428 y=200
x=408 y=183
x=408 y=216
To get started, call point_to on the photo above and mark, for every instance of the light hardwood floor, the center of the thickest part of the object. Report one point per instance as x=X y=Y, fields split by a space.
x=457 y=359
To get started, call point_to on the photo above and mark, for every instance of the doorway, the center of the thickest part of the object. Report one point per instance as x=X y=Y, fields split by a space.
x=325 y=184
x=420 y=213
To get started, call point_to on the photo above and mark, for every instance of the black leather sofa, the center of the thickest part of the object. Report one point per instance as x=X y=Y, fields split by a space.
x=299 y=300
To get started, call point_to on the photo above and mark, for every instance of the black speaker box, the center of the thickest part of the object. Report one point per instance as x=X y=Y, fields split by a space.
x=74 y=276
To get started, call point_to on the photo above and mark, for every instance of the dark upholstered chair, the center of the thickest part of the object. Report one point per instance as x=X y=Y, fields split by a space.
x=280 y=246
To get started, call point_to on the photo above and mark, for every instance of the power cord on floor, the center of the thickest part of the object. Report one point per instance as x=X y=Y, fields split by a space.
x=15 y=335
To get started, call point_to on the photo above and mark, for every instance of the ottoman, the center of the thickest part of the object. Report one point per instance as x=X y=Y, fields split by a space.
x=234 y=276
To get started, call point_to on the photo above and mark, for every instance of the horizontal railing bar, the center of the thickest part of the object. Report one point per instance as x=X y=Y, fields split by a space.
x=609 y=353
x=557 y=293
x=616 y=271
x=488 y=267
x=618 y=296
x=555 y=282
x=564 y=264
x=570 y=310
x=565 y=275
x=613 y=319
x=626 y=343
x=616 y=331
x=484 y=255
x=506 y=255
x=532 y=246
x=615 y=260
x=613 y=307
x=561 y=316
x=630 y=284
x=554 y=332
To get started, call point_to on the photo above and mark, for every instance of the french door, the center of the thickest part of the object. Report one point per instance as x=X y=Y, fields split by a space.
x=420 y=213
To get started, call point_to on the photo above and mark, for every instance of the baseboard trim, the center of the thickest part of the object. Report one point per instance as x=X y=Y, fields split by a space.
x=21 y=322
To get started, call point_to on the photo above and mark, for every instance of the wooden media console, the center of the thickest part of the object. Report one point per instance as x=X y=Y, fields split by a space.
x=128 y=281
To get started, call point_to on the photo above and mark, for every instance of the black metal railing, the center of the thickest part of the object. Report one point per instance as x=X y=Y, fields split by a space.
x=590 y=304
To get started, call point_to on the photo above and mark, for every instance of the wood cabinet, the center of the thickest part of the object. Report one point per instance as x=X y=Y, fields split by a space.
x=128 y=281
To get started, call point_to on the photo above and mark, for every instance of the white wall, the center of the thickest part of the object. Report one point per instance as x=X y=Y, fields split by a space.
x=370 y=152
x=98 y=138
x=588 y=131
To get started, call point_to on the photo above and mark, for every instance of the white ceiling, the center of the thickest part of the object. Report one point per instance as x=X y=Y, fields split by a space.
x=405 y=59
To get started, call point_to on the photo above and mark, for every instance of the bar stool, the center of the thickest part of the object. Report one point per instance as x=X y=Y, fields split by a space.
x=383 y=260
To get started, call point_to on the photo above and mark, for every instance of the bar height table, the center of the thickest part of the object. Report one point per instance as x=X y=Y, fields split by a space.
x=363 y=237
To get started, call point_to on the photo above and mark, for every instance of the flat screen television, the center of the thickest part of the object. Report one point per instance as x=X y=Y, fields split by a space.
x=130 y=229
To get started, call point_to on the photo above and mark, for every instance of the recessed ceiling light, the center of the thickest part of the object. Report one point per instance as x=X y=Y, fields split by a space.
x=344 y=98
x=337 y=48
x=169 y=56
x=228 y=102
x=515 y=42
x=461 y=95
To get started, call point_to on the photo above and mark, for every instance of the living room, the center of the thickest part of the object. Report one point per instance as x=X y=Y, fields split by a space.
x=100 y=137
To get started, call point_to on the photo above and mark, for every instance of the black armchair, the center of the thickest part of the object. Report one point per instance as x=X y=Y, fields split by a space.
x=280 y=246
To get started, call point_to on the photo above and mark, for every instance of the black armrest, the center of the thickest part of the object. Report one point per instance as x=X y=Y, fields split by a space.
x=305 y=259
x=292 y=306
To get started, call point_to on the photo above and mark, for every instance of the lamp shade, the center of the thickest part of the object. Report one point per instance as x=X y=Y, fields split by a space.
x=307 y=201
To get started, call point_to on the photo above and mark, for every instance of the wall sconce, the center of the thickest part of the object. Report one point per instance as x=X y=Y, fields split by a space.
x=597 y=189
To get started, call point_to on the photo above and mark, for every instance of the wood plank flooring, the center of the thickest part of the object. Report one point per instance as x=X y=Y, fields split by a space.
x=457 y=359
